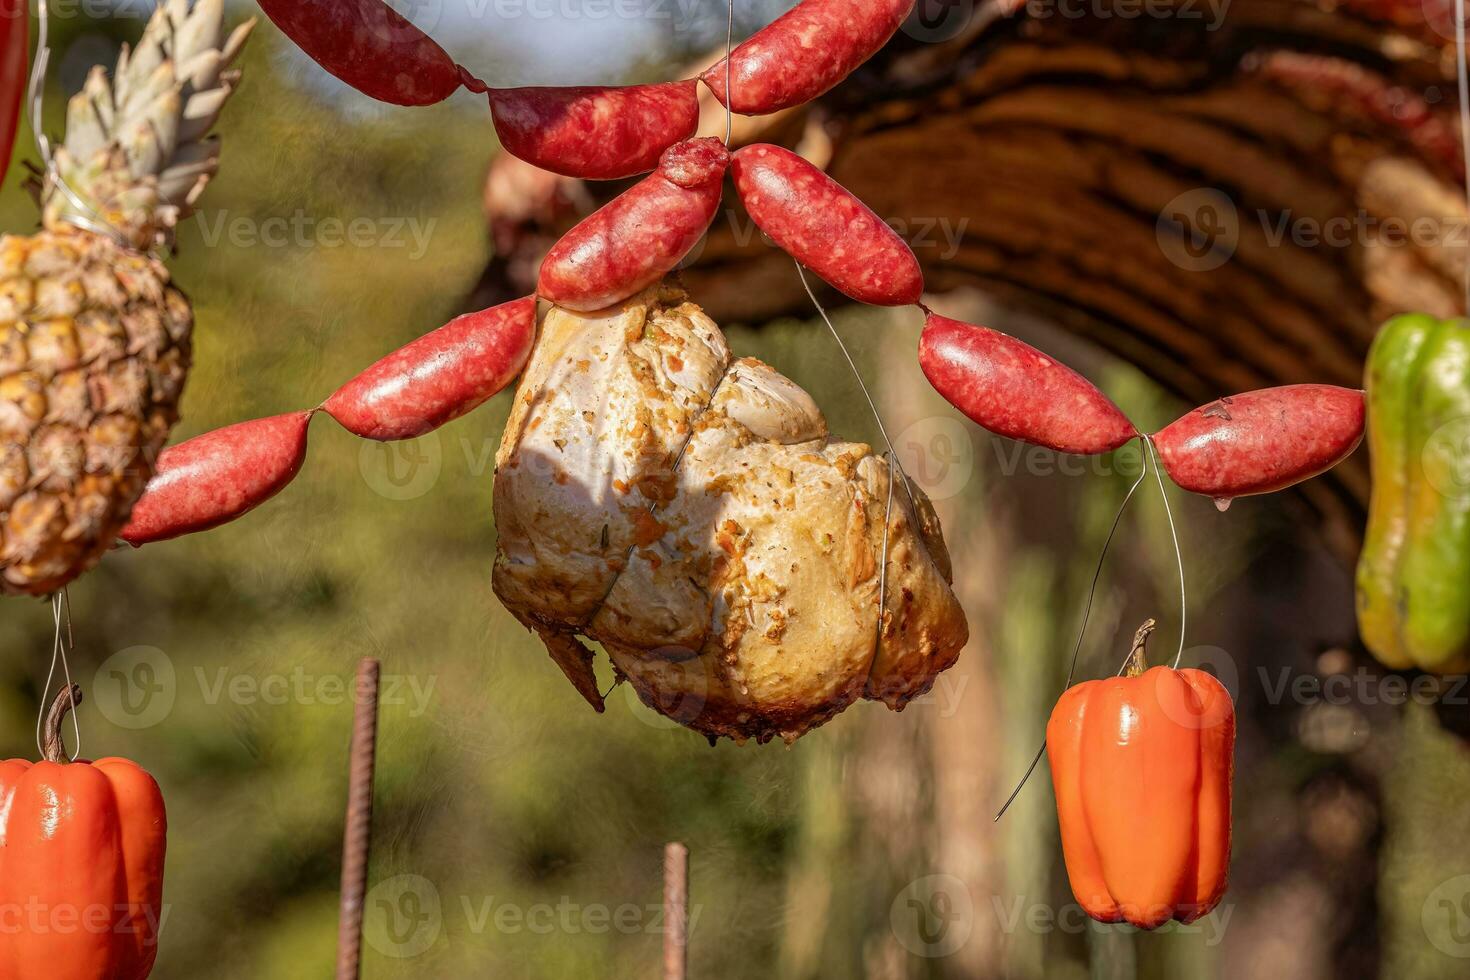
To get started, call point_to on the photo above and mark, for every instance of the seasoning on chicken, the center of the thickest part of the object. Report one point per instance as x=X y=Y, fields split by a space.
x=690 y=512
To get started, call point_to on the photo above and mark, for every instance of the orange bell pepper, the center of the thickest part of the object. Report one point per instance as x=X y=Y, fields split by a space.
x=14 y=48
x=1142 y=767
x=81 y=864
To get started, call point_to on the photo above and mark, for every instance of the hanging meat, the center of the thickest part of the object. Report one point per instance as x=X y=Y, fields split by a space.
x=689 y=511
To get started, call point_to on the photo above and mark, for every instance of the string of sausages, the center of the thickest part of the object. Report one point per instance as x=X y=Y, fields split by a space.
x=1250 y=443
x=219 y=476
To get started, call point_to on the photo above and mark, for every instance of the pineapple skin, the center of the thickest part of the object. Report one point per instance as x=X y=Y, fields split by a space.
x=94 y=352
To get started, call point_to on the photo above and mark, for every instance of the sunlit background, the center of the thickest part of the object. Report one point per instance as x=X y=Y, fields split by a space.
x=517 y=833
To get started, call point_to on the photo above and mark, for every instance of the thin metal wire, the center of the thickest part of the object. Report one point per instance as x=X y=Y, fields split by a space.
x=35 y=97
x=1082 y=630
x=883 y=574
x=1462 y=76
x=1148 y=443
x=892 y=455
x=50 y=674
x=729 y=56
x=60 y=612
x=872 y=405
x=35 y=94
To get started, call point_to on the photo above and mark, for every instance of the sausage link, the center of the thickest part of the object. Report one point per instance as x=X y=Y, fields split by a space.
x=14 y=48
x=370 y=46
x=595 y=133
x=1014 y=390
x=805 y=52
x=216 y=477
x=1262 y=441
x=641 y=234
x=825 y=228
x=440 y=376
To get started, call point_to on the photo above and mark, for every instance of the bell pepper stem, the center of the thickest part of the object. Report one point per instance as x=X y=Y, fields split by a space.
x=1137 y=661
x=53 y=749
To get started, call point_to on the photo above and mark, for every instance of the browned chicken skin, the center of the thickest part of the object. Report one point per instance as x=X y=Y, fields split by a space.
x=690 y=512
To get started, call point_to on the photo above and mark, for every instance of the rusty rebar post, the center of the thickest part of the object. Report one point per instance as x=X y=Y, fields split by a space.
x=676 y=911
x=357 y=841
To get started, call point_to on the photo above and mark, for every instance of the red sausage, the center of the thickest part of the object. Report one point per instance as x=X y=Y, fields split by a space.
x=595 y=133
x=14 y=46
x=370 y=46
x=1015 y=390
x=1262 y=440
x=641 y=234
x=805 y=52
x=825 y=228
x=440 y=376
x=214 y=478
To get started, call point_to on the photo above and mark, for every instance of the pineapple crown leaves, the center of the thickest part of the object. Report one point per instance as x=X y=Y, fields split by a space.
x=138 y=151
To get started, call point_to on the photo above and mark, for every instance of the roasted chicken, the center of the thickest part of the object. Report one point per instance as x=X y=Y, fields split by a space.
x=689 y=511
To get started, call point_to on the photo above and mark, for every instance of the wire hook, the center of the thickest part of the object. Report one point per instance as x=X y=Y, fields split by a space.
x=35 y=97
x=60 y=643
x=1082 y=630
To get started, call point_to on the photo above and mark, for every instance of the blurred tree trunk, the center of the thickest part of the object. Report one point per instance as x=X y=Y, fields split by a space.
x=961 y=721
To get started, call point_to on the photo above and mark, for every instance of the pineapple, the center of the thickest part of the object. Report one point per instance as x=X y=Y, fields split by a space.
x=94 y=338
